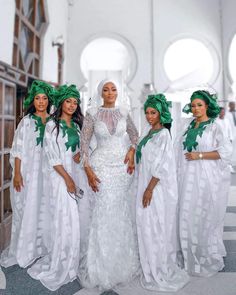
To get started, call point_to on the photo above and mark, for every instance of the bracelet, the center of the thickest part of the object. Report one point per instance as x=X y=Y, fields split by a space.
x=200 y=156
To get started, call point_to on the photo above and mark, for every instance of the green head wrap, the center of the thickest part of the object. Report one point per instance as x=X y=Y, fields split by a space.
x=38 y=87
x=63 y=92
x=213 y=109
x=159 y=102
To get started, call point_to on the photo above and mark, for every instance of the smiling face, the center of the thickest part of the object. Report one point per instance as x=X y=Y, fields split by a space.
x=152 y=116
x=109 y=94
x=69 y=106
x=41 y=102
x=199 y=108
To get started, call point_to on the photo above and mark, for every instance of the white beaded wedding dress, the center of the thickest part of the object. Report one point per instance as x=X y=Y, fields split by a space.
x=110 y=254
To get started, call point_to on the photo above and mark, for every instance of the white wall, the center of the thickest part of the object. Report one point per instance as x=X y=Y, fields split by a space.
x=132 y=19
x=58 y=20
x=7 y=20
x=185 y=18
x=229 y=30
x=126 y=18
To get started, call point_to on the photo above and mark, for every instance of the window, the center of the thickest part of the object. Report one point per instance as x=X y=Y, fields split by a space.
x=7 y=127
x=189 y=62
x=232 y=59
x=30 y=21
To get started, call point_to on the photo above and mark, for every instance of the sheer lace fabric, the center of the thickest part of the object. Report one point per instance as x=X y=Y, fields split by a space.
x=203 y=190
x=60 y=265
x=110 y=255
x=30 y=235
x=109 y=117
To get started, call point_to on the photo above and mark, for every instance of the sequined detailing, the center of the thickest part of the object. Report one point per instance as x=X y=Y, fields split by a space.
x=110 y=255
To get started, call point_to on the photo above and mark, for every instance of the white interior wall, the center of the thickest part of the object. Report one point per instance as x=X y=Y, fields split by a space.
x=7 y=20
x=126 y=18
x=228 y=32
x=132 y=19
x=180 y=19
x=58 y=20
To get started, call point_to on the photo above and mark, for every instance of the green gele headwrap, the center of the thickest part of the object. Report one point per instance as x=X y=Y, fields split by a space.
x=38 y=87
x=213 y=109
x=63 y=92
x=159 y=102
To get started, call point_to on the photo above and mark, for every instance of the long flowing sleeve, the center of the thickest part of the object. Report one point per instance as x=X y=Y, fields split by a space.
x=18 y=141
x=51 y=147
x=162 y=156
x=223 y=145
x=86 y=135
x=132 y=131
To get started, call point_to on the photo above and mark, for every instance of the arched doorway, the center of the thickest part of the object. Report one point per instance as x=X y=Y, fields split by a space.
x=106 y=57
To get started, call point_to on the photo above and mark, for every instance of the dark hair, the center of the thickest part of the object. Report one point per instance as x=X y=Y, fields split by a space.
x=77 y=117
x=31 y=109
x=168 y=126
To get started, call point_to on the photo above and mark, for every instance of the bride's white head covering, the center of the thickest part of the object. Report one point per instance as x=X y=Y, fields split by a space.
x=102 y=84
x=97 y=99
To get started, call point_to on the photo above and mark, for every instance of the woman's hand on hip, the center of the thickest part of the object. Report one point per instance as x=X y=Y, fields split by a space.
x=93 y=180
x=129 y=159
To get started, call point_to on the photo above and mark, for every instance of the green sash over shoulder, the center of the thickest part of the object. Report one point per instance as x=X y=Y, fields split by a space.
x=191 y=133
x=73 y=134
x=39 y=127
x=143 y=143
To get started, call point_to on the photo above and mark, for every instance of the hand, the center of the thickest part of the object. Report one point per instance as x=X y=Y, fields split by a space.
x=18 y=182
x=93 y=180
x=129 y=158
x=192 y=156
x=70 y=184
x=147 y=197
x=76 y=158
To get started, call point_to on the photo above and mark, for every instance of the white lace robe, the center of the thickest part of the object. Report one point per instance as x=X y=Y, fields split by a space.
x=157 y=224
x=61 y=264
x=111 y=255
x=29 y=235
x=203 y=190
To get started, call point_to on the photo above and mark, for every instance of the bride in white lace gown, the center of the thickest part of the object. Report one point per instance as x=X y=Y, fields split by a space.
x=110 y=255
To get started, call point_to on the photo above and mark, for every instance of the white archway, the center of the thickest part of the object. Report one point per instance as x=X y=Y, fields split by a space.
x=107 y=56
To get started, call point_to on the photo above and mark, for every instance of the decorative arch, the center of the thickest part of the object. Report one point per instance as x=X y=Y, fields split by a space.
x=211 y=48
x=130 y=48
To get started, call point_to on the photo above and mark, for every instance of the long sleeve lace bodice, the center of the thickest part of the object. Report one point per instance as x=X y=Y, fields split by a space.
x=107 y=124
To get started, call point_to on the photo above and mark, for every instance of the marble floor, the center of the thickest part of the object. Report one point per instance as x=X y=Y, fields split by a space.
x=224 y=283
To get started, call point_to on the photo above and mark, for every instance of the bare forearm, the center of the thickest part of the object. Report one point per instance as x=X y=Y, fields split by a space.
x=17 y=165
x=61 y=170
x=211 y=155
x=214 y=155
x=152 y=183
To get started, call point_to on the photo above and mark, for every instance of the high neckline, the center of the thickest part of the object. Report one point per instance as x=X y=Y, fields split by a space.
x=111 y=109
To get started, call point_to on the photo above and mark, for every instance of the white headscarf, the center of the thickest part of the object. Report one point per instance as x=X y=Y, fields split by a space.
x=97 y=99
